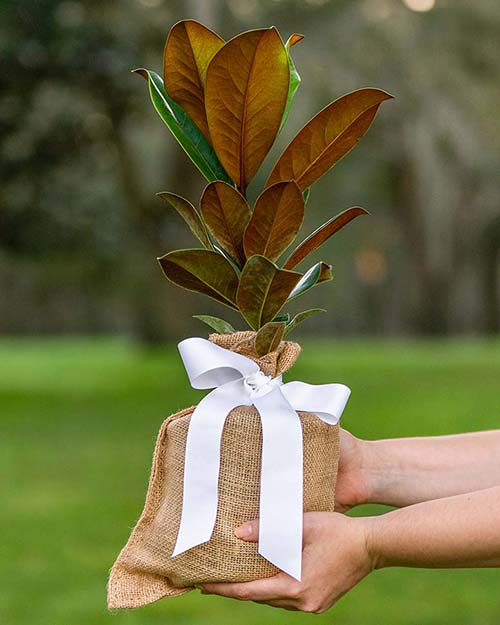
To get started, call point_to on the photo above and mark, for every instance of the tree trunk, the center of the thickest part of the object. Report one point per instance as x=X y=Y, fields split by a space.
x=491 y=278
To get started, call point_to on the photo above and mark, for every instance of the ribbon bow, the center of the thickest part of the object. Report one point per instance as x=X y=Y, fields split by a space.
x=238 y=381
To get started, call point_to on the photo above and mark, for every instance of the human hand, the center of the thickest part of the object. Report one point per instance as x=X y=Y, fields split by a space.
x=335 y=557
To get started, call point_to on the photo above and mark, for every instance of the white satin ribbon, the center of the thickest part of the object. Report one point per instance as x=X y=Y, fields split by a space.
x=238 y=381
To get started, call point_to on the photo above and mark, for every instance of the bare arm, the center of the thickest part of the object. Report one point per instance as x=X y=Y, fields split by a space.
x=460 y=531
x=404 y=471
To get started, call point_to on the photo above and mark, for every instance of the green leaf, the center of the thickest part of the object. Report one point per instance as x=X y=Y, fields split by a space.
x=202 y=271
x=294 y=83
x=263 y=289
x=190 y=215
x=184 y=130
x=320 y=272
x=284 y=317
x=306 y=195
x=300 y=317
x=322 y=234
x=269 y=337
x=219 y=325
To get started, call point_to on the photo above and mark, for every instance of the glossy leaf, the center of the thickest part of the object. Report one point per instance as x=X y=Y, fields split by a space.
x=202 y=271
x=293 y=39
x=323 y=233
x=326 y=138
x=184 y=130
x=320 y=272
x=269 y=337
x=263 y=289
x=300 y=317
x=190 y=215
x=245 y=96
x=234 y=264
x=294 y=77
x=275 y=222
x=219 y=325
x=284 y=317
x=189 y=49
x=226 y=214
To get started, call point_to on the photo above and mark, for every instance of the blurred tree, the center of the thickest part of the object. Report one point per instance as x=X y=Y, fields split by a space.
x=76 y=184
x=82 y=155
x=440 y=145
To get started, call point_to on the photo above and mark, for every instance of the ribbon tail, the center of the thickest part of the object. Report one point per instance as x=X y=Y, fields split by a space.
x=281 y=486
x=201 y=465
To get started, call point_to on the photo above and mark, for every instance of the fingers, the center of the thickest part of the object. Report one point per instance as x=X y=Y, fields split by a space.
x=248 y=531
x=269 y=589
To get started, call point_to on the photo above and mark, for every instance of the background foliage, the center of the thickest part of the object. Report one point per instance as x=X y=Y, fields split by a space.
x=83 y=154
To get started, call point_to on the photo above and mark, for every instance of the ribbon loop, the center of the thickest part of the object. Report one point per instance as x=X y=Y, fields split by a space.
x=208 y=364
x=238 y=381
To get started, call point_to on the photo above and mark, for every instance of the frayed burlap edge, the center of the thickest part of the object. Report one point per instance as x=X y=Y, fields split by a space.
x=149 y=586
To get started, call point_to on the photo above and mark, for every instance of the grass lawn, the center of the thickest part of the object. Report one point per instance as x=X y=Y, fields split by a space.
x=78 y=421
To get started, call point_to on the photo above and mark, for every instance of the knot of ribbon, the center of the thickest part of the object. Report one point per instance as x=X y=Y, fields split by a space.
x=238 y=381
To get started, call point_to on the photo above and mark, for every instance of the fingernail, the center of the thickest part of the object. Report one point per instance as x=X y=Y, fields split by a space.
x=243 y=531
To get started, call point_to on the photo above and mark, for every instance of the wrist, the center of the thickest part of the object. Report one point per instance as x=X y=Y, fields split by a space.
x=372 y=471
x=374 y=528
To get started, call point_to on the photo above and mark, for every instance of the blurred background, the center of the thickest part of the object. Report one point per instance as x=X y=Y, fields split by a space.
x=83 y=154
x=88 y=324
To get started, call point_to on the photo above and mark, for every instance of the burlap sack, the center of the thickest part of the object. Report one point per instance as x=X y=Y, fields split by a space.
x=144 y=570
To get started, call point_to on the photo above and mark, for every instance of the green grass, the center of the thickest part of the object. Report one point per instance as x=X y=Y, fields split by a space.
x=78 y=421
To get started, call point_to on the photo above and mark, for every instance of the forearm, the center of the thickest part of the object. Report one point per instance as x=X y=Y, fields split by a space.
x=460 y=531
x=405 y=471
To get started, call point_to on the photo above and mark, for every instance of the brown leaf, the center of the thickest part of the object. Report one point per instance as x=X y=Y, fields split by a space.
x=275 y=221
x=325 y=272
x=324 y=232
x=202 y=271
x=263 y=289
x=226 y=213
x=327 y=137
x=269 y=337
x=189 y=49
x=293 y=39
x=245 y=96
x=190 y=215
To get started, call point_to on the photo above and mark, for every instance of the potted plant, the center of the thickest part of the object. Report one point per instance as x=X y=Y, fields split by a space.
x=225 y=103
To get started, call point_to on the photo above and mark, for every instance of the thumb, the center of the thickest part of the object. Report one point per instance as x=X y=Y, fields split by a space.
x=248 y=531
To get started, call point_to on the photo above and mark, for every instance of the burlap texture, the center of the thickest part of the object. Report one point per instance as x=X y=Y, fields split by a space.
x=144 y=570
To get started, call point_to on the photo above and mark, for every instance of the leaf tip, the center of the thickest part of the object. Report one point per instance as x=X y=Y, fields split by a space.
x=141 y=71
x=361 y=211
x=293 y=39
x=388 y=95
x=165 y=195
